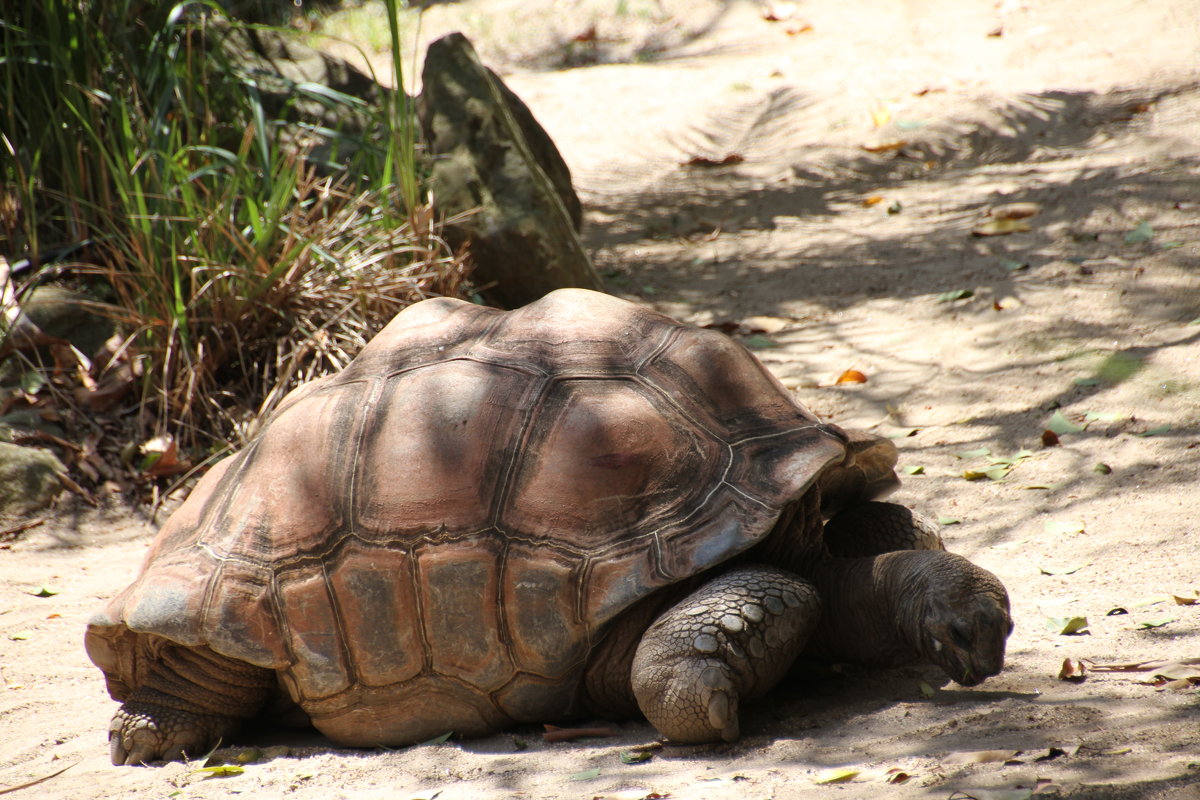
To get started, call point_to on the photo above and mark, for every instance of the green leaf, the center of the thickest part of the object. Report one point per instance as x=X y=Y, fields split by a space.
x=1160 y=430
x=839 y=775
x=926 y=690
x=32 y=381
x=955 y=294
x=1170 y=245
x=1060 y=424
x=1060 y=527
x=46 y=591
x=1142 y=233
x=21 y=636
x=1155 y=623
x=635 y=756
x=1119 y=367
x=976 y=453
x=1067 y=626
x=949 y=520
x=913 y=469
x=1102 y=468
x=1087 y=381
x=438 y=739
x=759 y=342
x=994 y=473
x=222 y=771
x=1012 y=265
x=1062 y=570
x=586 y=775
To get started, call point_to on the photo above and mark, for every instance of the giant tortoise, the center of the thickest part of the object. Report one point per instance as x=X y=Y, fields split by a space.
x=488 y=517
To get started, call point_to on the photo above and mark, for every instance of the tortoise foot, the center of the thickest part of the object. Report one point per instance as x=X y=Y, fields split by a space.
x=732 y=639
x=143 y=731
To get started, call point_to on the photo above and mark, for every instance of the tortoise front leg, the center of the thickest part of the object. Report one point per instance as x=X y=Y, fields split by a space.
x=730 y=640
x=189 y=698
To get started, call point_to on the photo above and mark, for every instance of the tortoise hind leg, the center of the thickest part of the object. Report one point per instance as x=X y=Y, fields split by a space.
x=869 y=529
x=730 y=640
x=187 y=700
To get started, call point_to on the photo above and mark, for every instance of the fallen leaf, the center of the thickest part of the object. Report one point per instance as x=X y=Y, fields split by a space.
x=759 y=342
x=839 y=775
x=438 y=739
x=1015 y=211
x=1067 y=626
x=885 y=147
x=635 y=756
x=586 y=775
x=1060 y=527
x=705 y=161
x=872 y=200
x=1012 y=265
x=1073 y=671
x=1186 y=601
x=881 y=116
x=976 y=453
x=895 y=775
x=926 y=690
x=46 y=591
x=955 y=294
x=798 y=28
x=992 y=473
x=1155 y=623
x=913 y=469
x=1062 y=570
x=1049 y=439
x=1061 y=425
x=1001 y=227
x=221 y=771
x=1161 y=429
x=895 y=207
x=980 y=756
x=21 y=636
x=1142 y=233
x=948 y=520
x=851 y=376
x=1102 y=468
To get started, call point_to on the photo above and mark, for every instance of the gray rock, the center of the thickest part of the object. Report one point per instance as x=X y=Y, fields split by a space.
x=490 y=154
x=28 y=478
x=51 y=314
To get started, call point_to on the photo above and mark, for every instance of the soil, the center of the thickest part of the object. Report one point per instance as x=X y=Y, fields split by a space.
x=812 y=184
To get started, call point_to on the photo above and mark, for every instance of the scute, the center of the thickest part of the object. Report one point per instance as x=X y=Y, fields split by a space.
x=445 y=527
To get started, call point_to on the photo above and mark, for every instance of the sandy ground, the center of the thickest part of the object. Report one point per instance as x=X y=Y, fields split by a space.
x=859 y=144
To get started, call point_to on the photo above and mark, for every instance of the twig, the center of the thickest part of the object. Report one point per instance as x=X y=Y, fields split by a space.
x=35 y=782
x=556 y=734
x=21 y=526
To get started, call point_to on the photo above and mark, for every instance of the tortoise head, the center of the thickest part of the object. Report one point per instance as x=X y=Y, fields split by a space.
x=964 y=621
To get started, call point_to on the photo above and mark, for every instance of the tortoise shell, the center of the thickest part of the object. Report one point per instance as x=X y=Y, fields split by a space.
x=434 y=538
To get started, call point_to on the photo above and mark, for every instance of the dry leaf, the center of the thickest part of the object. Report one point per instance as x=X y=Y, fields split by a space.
x=1015 y=211
x=840 y=775
x=884 y=147
x=705 y=161
x=1073 y=671
x=851 y=376
x=1049 y=438
x=872 y=200
x=980 y=756
x=1000 y=227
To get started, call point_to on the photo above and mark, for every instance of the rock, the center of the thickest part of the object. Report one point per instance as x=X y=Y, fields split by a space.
x=28 y=478
x=53 y=315
x=490 y=154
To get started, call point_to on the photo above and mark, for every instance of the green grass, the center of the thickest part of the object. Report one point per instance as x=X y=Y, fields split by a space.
x=245 y=246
